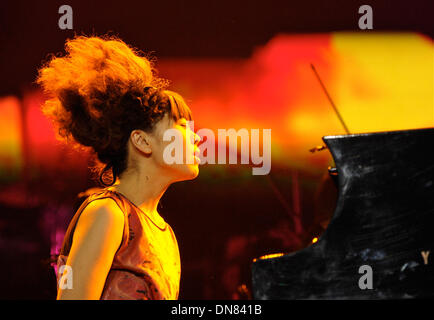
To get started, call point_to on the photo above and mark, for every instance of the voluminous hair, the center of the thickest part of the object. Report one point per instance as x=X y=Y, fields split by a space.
x=99 y=92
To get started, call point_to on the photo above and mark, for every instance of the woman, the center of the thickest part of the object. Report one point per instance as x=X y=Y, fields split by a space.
x=105 y=97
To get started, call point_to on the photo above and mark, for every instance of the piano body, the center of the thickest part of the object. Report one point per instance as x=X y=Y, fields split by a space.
x=383 y=219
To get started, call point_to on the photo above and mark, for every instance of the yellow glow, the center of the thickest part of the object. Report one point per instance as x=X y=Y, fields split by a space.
x=384 y=81
x=10 y=137
x=314 y=240
x=378 y=81
x=269 y=256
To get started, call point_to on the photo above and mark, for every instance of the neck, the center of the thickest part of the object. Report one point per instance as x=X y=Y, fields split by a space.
x=144 y=189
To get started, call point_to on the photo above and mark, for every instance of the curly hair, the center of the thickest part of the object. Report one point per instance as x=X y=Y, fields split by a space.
x=99 y=92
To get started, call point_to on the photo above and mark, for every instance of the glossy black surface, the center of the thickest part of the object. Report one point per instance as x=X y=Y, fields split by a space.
x=383 y=218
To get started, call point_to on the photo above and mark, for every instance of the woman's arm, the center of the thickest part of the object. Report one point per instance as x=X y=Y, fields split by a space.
x=97 y=237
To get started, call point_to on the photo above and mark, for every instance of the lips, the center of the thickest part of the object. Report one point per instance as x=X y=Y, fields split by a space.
x=196 y=155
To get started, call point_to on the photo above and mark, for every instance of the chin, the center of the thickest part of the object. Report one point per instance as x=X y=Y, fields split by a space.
x=188 y=172
x=194 y=171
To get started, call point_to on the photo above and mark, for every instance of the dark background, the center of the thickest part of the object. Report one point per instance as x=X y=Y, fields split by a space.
x=28 y=29
x=216 y=247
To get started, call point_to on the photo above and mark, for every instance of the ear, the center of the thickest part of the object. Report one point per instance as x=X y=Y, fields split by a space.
x=141 y=141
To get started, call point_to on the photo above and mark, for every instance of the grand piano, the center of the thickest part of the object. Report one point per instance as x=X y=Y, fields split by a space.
x=379 y=243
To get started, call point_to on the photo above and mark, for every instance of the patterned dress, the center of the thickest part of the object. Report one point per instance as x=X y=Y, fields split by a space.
x=147 y=264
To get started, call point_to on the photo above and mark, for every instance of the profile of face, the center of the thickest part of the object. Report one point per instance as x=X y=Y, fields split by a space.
x=152 y=145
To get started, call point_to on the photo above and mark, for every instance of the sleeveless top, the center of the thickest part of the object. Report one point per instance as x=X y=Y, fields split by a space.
x=146 y=265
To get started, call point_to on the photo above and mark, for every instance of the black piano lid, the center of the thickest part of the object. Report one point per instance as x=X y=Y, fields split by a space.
x=383 y=219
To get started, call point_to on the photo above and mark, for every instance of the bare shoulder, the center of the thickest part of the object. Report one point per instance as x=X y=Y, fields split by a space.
x=105 y=209
x=102 y=216
x=96 y=239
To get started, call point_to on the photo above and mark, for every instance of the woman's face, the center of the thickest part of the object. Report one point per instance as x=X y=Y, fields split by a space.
x=189 y=168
